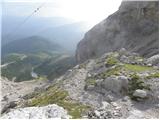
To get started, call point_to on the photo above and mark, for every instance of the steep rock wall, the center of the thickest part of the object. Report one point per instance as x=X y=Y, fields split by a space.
x=134 y=27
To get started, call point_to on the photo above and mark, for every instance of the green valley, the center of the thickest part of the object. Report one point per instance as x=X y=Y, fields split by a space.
x=36 y=54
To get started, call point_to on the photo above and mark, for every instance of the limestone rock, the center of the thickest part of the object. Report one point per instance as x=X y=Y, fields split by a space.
x=140 y=93
x=134 y=27
x=116 y=84
x=50 y=111
x=154 y=60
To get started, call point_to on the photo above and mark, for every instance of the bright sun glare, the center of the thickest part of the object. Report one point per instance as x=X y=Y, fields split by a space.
x=90 y=11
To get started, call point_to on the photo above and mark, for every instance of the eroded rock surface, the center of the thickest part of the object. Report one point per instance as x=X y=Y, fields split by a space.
x=50 y=111
x=134 y=26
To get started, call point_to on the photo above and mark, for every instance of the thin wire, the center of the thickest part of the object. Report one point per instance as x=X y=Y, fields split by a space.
x=25 y=20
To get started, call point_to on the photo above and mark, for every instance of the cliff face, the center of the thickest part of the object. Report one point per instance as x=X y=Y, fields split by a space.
x=134 y=27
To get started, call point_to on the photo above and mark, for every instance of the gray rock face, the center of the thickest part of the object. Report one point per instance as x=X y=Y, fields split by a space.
x=134 y=27
x=116 y=84
x=50 y=111
x=154 y=60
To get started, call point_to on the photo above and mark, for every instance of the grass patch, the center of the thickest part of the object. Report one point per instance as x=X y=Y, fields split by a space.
x=74 y=109
x=137 y=68
x=55 y=95
x=114 y=71
x=90 y=81
x=41 y=78
x=154 y=75
x=83 y=65
x=111 y=61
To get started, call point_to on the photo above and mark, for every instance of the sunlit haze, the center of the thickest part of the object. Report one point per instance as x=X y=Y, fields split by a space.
x=89 y=11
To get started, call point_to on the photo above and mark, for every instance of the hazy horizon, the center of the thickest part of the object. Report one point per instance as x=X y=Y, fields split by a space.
x=81 y=15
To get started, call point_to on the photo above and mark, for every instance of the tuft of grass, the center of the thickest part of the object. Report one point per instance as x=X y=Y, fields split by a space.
x=134 y=77
x=111 y=61
x=41 y=78
x=154 y=75
x=114 y=71
x=90 y=81
x=55 y=95
x=83 y=65
x=137 y=68
x=74 y=109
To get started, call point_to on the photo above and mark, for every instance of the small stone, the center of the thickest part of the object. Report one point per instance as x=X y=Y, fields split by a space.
x=109 y=98
x=70 y=70
x=115 y=113
x=114 y=104
x=89 y=75
x=149 y=65
x=105 y=105
x=126 y=98
x=140 y=93
x=76 y=67
x=90 y=87
x=118 y=108
x=5 y=98
x=97 y=113
x=85 y=117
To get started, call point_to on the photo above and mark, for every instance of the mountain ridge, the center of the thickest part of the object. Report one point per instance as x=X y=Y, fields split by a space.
x=29 y=44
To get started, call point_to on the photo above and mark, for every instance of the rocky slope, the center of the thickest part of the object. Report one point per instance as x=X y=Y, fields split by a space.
x=118 y=84
x=134 y=27
x=13 y=92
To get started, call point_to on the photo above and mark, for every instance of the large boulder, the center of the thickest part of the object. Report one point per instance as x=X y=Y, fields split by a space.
x=134 y=27
x=154 y=60
x=116 y=84
x=50 y=111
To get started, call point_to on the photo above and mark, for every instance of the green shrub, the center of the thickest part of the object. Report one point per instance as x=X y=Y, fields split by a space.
x=134 y=84
x=111 y=61
x=154 y=75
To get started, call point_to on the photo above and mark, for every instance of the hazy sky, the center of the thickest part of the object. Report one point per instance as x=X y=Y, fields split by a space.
x=90 y=11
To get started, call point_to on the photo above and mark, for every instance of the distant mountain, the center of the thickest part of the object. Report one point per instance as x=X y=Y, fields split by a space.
x=31 y=27
x=30 y=45
x=60 y=30
x=67 y=35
